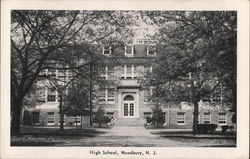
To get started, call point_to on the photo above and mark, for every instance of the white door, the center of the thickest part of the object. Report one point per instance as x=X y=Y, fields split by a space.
x=129 y=109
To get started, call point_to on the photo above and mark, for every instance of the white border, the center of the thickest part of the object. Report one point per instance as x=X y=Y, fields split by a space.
x=242 y=6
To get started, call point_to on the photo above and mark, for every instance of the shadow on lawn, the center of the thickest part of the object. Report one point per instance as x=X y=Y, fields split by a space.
x=31 y=136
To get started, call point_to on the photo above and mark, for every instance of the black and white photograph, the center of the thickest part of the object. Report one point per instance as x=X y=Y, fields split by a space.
x=123 y=78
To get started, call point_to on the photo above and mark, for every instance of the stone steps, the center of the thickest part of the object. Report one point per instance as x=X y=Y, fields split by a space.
x=129 y=122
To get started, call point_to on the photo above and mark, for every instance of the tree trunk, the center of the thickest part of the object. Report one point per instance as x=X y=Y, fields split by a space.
x=61 y=113
x=195 y=114
x=90 y=94
x=16 y=115
x=81 y=123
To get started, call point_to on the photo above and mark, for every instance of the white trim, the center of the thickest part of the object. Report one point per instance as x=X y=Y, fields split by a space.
x=148 y=50
x=132 y=50
x=103 y=49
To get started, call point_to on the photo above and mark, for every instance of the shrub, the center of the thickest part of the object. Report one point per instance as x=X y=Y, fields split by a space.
x=158 y=117
x=100 y=117
x=206 y=128
x=148 y=119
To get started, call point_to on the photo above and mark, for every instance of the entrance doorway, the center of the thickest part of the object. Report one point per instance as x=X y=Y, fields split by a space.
x=128 y=107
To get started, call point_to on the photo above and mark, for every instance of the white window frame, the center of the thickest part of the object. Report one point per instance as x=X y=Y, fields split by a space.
x=50 y=117
x=125 y=72
x=178 y=118
x=47 y=94
x=148 y=50
x=106 y=98
x=78 y=120
x=207 y=120
x=222 y=120
x=111 y=76
x=105 y=73
x=102 y=99
x=103 y=50
x=132 y=51
x=110 y=99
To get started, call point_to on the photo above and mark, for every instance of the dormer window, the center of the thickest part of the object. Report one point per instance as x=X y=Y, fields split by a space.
x=129 y=50
x=151 y=50
x=106 y=50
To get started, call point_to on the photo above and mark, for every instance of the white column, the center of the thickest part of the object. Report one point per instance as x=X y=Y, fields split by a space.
x=132 y=47
x=125 y=71
x=46 y=94
x=125 y=50
x=56 y=96
x=119 y=106
x=137 y=107
x=132 y=71
x=106 y=72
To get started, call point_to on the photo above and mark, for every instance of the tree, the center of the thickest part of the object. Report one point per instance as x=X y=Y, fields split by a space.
x=37 y=37
x=197 y=54
x=76 y=100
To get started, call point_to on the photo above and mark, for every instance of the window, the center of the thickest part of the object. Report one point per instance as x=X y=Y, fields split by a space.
x=107 y=50
x=103 y=72
x=180 y=118
x=77 y=120
x=151 y=50
x=40 y=94
x=43 y=72
x=129 y=72
x=222 y=118
x=147 y=69
x=207 y=118
x=111 y=72
x=52 y=73
x=35 y=117
x=102 y=92
x=129 y=50
x=147 y=95
x=51 y=95
x=111 y=94
x=51 y=118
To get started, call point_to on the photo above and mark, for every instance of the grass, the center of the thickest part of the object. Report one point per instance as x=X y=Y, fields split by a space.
x=38 y=136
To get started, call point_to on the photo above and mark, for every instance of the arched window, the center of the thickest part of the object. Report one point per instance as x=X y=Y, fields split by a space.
x=128 y=98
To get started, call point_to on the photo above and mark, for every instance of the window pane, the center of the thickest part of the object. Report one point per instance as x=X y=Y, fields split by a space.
x=146 y=94
x=181 y=118
x=102 y=93
x=35 y=117
x=129 y=50
x=206 y=118
x=222 y=118
x=51 y=118
x=51 y=95
x=129 y=69
x=106 y=50
x=111 y=92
